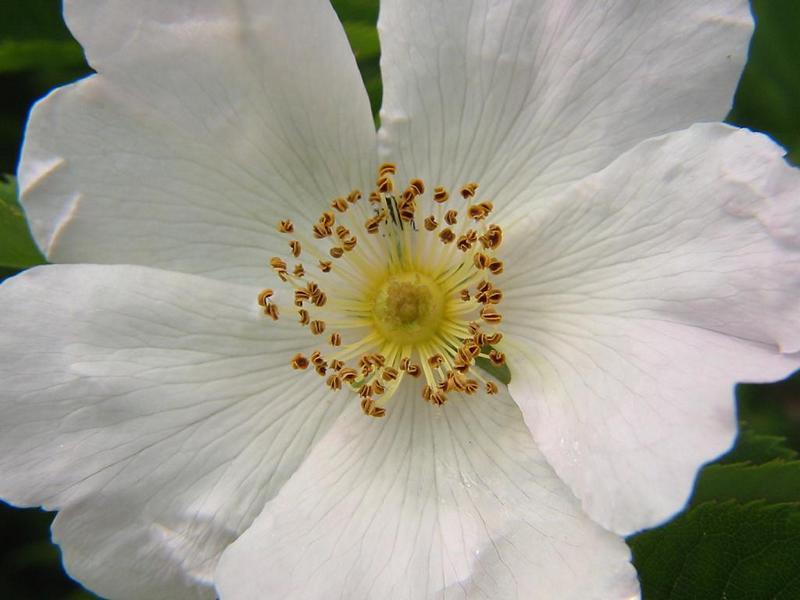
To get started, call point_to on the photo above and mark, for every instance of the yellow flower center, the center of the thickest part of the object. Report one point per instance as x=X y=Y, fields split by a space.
x=399 y=293
x=408 y=308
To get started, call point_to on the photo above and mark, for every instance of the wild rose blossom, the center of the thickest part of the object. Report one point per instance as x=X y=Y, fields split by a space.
x=550 y=190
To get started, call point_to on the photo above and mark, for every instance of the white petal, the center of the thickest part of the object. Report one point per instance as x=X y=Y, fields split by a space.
x=208 y=122
x=454 y=502
x=645 y=293
x=523 y=95
x=157 y=410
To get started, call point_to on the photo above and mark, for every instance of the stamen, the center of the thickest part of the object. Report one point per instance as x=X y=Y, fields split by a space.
x=407 y=298
x=299 y=362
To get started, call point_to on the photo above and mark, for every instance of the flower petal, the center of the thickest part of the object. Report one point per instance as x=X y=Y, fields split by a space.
x=647 y=291
x=208 y=122
x=157 y=410
x=454 y=502
x=522 y=95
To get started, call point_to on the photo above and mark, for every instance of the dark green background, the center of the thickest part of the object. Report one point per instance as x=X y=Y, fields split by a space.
x=740 y=539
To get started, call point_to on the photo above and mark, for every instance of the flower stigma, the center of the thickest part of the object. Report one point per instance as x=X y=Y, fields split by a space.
x=389 y=299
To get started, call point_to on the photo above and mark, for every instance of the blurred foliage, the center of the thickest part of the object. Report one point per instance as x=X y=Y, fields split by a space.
x=18 y=249
x=768 y=98
x=739 y=536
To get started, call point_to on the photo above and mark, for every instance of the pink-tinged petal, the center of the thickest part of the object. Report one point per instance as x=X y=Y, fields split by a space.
x=525 y=96
x=208 y=122
x=427 y=502
x=157 y=411
x=640 y=297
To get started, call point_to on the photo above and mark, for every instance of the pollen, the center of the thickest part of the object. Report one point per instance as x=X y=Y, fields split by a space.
x=399 y=295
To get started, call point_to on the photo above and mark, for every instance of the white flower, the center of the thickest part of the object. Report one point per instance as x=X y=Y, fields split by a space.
x=646 y=267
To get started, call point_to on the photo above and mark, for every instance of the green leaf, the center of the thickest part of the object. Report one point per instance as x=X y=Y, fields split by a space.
x=768 y=98
x=21 y=55
x=363 y=39
x=17 y=248
x=776 y=481
x=757 y=448
x=725 y=551
x=501 y=373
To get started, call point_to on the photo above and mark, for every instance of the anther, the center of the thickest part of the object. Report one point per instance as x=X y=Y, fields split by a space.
x=464 y=295
x=480 y=260
x=299 y=362
x=348 y=374
x=277 y=264
x=414 y=370
x=385 y=184
x=286 y=226
x=316 y=358
x=336 y=339
x=480 y=211
x=493 y=296
x=490 y=315
x=463 y=243
x=334 y=382
x=495 y=266
x=378 y=388
x=471 y=386
x=435 y=361
x=327 y=219
x=451 y=217
x=336 y=252
x=336 y=364
x=491 y=388
x=325 y=266
x=369 y=408
x=447 y=235
x=375 y=198
x=497 y=358
x=301 y=296
x=319 y=299
x=372 y=224
x=305 y=319
x=418 y=185
x=437 y=398
x=492 y=238
x=471 y=348
x=294 y=245
x=339 y=204
x=317 y=327
x=354 y=196
x=389 y=374
x=494 y=338
x=321 y=231
x=271 y=310
x=298 y=270
x=430 y=223
x=468 y=191
x=440 y=195
x=264 y=296
x=387 y=168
